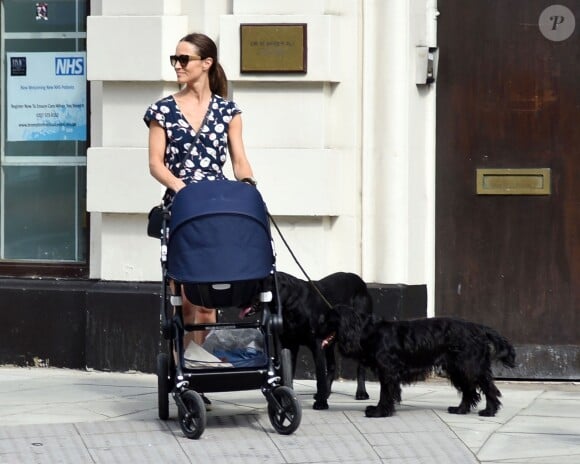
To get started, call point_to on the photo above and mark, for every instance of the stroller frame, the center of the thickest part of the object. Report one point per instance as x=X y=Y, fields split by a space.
x=274 y=378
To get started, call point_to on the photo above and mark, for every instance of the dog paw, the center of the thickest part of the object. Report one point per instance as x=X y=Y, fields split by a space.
x=377 y=411
x=487 y=413
x=362 y=395
x=456 y=410
x=319 y=405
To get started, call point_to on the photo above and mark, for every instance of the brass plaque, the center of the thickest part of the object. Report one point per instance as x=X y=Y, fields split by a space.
x=513 y=181
x=273 y=48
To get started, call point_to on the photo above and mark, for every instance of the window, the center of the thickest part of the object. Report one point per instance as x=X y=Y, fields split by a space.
x=43 y=138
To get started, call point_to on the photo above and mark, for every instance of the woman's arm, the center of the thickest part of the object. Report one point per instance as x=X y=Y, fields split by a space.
x=240 y=163
x=157 y=166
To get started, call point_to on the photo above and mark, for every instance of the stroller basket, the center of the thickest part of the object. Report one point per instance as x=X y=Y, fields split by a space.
x=219 y=244
x=229 y=348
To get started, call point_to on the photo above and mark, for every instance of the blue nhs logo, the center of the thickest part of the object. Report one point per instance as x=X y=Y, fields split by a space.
x=69 y=66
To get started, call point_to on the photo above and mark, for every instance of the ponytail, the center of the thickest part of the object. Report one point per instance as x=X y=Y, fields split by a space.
x=218 y=82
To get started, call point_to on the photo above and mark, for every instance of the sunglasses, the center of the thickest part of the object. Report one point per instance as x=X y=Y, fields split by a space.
x=183 y=59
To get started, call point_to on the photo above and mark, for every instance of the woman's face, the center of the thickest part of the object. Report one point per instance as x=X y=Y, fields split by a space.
x=194 y=68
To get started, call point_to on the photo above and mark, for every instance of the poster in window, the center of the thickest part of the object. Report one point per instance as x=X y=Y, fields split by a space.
x=46 y=96
x=42 y=11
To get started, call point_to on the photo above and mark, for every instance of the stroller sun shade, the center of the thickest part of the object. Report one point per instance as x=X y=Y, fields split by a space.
x=219 y=232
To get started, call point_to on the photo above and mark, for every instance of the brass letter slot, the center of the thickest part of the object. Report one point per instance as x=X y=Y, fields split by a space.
x=513 y=181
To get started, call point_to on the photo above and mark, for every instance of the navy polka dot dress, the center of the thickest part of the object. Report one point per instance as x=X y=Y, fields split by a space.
x=205 y=160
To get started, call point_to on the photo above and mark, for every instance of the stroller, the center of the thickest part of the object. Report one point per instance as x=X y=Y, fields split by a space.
x=217 y=247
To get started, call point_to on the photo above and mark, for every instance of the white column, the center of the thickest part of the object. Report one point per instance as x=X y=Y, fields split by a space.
x=398 y=196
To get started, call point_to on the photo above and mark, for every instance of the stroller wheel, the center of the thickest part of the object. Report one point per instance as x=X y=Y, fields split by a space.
x=163 y=385
x=192 y=418
x=284 y=410
x=286 y=367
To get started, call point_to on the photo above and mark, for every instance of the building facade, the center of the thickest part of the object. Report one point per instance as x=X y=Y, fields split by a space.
x=343 y=151
x=428 y=146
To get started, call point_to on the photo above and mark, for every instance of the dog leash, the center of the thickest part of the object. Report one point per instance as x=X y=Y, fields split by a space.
x=298 y=263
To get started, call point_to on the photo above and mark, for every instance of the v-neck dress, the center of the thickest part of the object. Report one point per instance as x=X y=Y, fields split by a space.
x=189 y=162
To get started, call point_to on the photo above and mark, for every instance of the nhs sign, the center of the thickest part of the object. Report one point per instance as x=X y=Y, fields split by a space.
x=69 y=65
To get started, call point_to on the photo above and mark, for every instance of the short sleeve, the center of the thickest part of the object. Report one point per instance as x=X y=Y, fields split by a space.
x=234 y=109
x=154 y=113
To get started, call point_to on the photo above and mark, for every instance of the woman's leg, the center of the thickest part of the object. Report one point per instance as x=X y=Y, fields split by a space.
x=193 y=314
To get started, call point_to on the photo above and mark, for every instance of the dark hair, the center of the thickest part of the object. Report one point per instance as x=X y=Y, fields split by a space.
x=206 y=47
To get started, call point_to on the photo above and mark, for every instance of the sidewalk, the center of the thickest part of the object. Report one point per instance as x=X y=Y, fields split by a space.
x=65 y=416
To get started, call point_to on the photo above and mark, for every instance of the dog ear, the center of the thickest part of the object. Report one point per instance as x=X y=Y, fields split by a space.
x=348 y=328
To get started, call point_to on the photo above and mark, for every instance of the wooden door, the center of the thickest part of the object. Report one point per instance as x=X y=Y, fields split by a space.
x=508 y=97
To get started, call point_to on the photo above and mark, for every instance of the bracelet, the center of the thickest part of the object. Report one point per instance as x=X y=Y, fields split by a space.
x=250 y=180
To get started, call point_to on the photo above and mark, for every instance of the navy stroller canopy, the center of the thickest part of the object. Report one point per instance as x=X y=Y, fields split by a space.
x=219 y=232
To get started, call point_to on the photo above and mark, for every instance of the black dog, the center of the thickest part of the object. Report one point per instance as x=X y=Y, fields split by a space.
x=405 y=352
x=302 y=309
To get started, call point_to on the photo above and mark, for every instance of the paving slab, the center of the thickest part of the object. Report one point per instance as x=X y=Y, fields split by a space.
x=66 y=416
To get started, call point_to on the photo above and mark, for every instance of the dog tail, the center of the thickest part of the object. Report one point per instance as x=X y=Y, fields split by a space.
x=502 y=349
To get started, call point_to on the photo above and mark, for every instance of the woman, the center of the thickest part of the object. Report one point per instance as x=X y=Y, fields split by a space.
x=190 y=134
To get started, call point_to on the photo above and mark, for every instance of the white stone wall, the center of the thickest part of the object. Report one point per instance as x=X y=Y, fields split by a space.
x=344 y=154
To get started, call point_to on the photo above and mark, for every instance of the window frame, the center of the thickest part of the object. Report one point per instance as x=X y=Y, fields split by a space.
x=36 y=268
